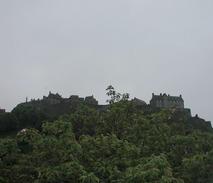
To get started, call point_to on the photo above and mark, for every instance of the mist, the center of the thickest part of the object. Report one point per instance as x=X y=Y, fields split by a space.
x=81 y=47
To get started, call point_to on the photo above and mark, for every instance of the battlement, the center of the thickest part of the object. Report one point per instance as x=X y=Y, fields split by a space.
x=53 y=98
x=57 y=99
x=167 y=101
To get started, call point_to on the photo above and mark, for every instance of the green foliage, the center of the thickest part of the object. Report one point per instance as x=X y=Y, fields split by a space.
x=8 y=122
x=107 y=156
x=27 y=139
x=84 y=121
x=115 y=96
x=198 y=168
x=153 y=169
x=121 y=144
x=28 y=116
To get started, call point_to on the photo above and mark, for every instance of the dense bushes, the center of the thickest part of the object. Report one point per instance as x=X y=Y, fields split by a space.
x=8 y=122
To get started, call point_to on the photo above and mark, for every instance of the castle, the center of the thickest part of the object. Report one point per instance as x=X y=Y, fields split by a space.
x=167 y=101
x=157 y=101
x=53 y=99
x=55 y=105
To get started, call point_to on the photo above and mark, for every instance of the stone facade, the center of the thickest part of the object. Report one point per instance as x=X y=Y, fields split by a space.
x=167 y=101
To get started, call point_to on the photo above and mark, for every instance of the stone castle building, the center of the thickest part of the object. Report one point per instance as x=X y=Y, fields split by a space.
x=54 y=99
x=167 y=101
x=157 y=101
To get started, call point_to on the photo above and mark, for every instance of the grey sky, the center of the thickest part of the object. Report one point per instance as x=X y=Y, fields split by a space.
x=80 y=47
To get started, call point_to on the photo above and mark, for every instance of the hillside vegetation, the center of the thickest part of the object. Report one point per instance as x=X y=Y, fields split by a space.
x=121 y=144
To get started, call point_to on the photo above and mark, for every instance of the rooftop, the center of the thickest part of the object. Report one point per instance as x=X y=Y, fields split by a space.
x=168 y=97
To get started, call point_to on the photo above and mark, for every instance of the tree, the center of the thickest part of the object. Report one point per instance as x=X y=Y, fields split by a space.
x=28 y=116
x=155 y=169
x=115 y=96
x=84 y=121
x=8 y=122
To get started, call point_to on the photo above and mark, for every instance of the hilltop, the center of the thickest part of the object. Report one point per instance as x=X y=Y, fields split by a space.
x=32 y=113
x=127 y=141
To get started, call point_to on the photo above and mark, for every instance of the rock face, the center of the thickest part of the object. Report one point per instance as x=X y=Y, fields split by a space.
x=167 y=101
x=199 y=123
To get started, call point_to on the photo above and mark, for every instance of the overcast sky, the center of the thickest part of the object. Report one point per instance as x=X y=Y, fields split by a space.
x=82 y=46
